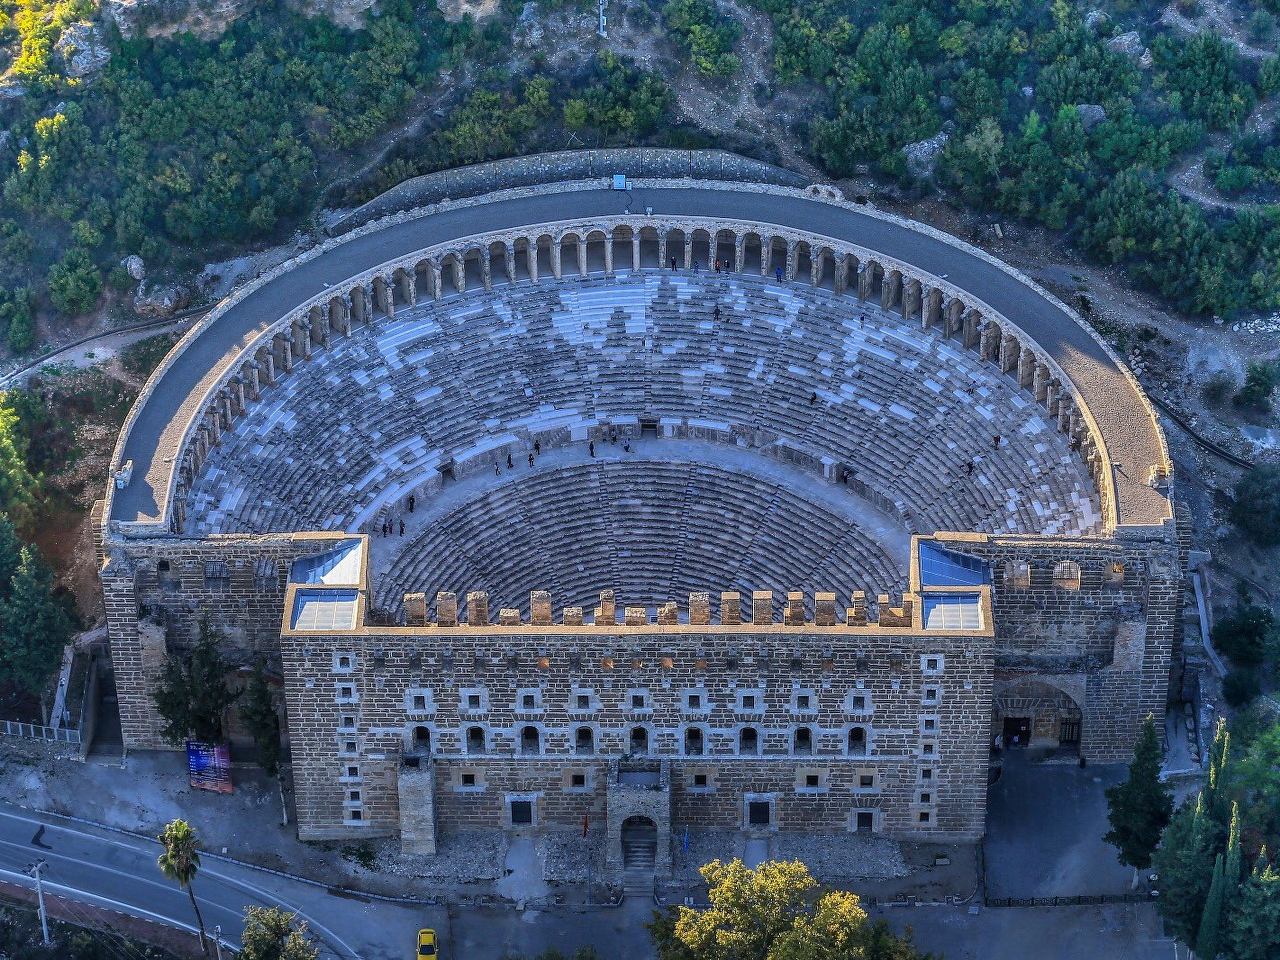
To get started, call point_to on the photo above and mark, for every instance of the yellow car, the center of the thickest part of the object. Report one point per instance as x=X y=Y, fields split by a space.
x=427 y=943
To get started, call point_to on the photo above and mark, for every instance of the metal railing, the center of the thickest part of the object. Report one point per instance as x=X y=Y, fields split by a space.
x=33 y=731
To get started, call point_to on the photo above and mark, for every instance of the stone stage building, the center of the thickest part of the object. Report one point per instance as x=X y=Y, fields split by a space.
x=554 y=502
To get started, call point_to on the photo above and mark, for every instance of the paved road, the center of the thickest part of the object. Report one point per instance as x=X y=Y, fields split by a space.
x=1131 y=441
x=120 y=873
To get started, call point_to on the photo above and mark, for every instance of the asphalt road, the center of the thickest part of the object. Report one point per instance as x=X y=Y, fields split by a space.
x=119 y=872
x=1112 y=398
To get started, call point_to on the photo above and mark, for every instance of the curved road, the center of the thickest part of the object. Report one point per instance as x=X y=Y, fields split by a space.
x=120 y=873
x=1133 y=442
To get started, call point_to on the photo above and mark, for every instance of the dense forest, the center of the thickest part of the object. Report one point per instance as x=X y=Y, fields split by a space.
x=182 y=144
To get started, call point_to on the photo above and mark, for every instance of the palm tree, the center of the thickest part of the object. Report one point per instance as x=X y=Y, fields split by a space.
x=181 y=861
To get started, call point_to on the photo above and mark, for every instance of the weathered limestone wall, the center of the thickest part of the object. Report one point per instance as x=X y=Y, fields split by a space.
x=1106 y=640
x=156 y=591
x=354 y=703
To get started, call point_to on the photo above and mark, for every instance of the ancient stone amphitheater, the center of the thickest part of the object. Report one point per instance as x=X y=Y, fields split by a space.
x=870 y=501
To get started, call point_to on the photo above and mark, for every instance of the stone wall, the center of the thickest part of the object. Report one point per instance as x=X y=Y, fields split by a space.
x=1106 y=639
x=354 y=704
x=156 y=591
x=567 y=165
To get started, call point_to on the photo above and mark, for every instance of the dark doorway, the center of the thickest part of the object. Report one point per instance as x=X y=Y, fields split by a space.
x=521 y=813
x=866 y=821
x=1017 y=731
x=639 y=843
x=759 y=813
x=640 y=741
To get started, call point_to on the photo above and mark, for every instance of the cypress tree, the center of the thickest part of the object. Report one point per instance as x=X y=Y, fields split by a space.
x=1184 y=861
x=1231 y=870
x=1209 y=937
x=1140 y=808
x=34 y=627
x=1253 y=927
x=1216 y=800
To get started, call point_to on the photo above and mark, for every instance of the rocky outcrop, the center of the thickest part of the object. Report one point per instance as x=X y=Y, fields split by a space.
x=134 y=266
x=162 y=301
x=1091 y=114
x=82 y=49
x=922 y=157
x=1130 y=44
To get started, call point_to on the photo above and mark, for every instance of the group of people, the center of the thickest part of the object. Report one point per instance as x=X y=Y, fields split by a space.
x=721 y=266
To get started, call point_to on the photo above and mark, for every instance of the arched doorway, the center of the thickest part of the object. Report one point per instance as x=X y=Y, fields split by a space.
x=1032 y=713
x=639 y=845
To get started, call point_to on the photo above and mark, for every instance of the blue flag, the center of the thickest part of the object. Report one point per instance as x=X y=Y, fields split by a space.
x=686 y=838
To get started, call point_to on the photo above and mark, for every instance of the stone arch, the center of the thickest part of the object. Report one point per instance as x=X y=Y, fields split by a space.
x=700 y=246
x=640 y=740
x=1039 y=713
x=818 y=265
x=650 y=241
x=695 y=740
x=673 y=242
x=474 y=739
x=752 y=253
x=748 y=741
x=723 y=248
x=801 y=265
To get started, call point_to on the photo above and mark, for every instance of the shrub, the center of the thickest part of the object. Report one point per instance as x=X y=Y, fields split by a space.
x=1240 y=687
x=1217 y=388
x=75 y=282
x=22 y=328
x=1259 y=382
x=1248 y=635
x=1256 y=510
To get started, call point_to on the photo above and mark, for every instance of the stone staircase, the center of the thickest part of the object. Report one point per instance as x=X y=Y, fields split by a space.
x=637 y=875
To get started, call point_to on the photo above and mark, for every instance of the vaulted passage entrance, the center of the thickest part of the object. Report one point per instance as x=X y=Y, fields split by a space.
x=639 y=843
x=1034 y=714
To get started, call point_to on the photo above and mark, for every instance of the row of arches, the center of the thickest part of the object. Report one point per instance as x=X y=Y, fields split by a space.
x=630 y=243
x=530 y=741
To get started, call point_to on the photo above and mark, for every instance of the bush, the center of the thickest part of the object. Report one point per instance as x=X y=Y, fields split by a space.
x=1240 y=687
x=75 y=282
x=1217 y=388
x=22 y=328
x=1259 y=382
x=706 y=34
x=1248 y=635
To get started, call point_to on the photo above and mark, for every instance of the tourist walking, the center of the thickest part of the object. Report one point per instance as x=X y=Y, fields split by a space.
x=531 y=459
x=995 y=442
x=591 y=446
x=402 y=528
x=511 y=464
x=537 y=447
x=412 y=500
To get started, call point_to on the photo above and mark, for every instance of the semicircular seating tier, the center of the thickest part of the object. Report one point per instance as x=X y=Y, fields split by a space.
x=903 y=416
x=651 y=530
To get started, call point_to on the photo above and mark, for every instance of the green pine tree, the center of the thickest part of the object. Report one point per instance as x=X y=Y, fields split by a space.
x=34 y=628
x=10 y=554
x=192 y=693
x=1140 y=808
x=1209 y=936
x=1253 y=927
x=258 y=713
x=1184 y=861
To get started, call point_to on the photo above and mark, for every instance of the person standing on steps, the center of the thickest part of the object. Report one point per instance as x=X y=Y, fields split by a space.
x=537 y=447
x=511 y=464
x=412 y=501
x=778 y=273
x=995 y=442
x=716 y=312
x=591 y=447
x=673 y=263
x=402 y=527
x=531 y=459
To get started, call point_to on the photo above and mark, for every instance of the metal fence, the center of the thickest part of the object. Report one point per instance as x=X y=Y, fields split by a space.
x=33 y=731
x=1066 y=901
